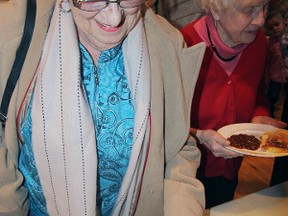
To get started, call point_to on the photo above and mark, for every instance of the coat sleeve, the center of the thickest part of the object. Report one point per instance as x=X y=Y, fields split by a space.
x=183 y=193
x=13 y=195
x=177 y=70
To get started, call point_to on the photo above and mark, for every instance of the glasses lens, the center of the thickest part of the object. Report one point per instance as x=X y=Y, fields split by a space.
x=131 y=3
x=97 y=5
x=92 y=5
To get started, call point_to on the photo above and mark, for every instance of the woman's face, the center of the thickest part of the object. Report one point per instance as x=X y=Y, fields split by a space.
x=240 y=21
x=106 y=28
x=275 y=26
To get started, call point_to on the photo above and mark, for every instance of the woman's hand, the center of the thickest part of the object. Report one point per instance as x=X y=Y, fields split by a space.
x=268 y=120
x=216 y=143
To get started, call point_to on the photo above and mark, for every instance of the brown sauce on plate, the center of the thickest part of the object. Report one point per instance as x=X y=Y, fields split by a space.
x=244 y=141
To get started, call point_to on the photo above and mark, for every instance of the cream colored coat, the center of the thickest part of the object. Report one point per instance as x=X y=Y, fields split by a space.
x=169 y=185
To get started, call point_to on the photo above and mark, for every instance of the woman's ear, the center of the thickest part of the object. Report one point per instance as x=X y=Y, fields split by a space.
x=215 y=14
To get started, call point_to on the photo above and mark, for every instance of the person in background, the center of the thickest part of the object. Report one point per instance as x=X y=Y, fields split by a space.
x=283 y=8
x=98 y=123
x=279 y=173
x=230 y=87
x=277 y=71
x=284 y=45
x=180 y=13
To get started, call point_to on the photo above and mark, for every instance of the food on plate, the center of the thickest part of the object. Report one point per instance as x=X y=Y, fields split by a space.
x=244 y=141
x=275 y=141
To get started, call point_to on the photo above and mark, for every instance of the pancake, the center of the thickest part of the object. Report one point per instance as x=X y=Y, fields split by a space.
x=275 y=141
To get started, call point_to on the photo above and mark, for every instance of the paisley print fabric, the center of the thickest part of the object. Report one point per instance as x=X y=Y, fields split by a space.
x=113 y=113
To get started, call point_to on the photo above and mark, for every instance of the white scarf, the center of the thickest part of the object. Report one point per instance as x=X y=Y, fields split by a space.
x=63 y=134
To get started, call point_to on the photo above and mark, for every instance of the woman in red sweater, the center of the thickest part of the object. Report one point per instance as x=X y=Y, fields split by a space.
x=229 y=88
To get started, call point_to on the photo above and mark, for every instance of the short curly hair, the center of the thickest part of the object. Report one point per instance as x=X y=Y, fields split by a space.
x=216 y=5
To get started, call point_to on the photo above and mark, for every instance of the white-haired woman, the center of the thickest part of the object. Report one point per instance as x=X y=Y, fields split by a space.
x=229 y=88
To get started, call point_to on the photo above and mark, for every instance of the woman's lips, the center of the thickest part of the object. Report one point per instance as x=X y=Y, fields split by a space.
x=107 y=28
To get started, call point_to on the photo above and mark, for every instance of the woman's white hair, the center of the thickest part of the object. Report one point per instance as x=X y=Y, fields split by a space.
x=216 y=5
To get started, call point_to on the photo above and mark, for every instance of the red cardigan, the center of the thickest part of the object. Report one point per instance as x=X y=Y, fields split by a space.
x=220 y=100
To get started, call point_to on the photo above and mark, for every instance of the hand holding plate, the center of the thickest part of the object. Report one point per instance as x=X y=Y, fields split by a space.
x=216 y=143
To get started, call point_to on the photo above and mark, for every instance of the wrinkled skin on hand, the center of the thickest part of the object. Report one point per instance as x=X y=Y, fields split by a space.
x=216 y=143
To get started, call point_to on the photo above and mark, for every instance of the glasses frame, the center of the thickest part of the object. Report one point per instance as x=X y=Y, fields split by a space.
x=77 y=3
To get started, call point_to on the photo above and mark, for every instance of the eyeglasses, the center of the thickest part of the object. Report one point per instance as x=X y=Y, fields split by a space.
x=97 y=5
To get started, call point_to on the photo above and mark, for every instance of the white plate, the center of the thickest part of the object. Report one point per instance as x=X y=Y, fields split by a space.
x=250 y=129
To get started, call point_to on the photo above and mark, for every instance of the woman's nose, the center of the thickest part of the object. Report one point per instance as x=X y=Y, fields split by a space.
x=114 y=14
x=259 y=19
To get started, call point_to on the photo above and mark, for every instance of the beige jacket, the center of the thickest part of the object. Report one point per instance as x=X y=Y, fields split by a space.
x=169 y=185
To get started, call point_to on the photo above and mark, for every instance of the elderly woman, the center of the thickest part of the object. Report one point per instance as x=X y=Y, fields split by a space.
x=229 y=88
x=98 y=122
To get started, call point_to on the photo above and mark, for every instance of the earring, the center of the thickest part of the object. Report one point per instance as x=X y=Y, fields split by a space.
x=65 y=6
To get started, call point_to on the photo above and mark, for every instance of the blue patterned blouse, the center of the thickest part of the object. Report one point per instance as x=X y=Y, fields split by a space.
x=113 y=114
